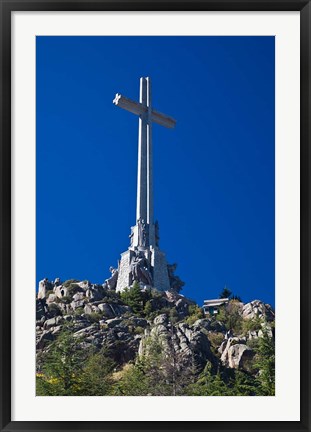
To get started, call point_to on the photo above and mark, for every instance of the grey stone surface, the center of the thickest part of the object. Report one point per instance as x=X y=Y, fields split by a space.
x=78 y=296
x=41 y=309
x=52 y=322
x=77 y=304
x=161 y=319
x=124 y=270
x=113 y=322
x=44 y=286
x=257 y=309
x=112 y=310
x=150 y=270
x=182 y=344
x=141 y=268
x=60 y=291
x=144 y=204
x=237 y=355
x=106 y=309
x=160 y=272
x=234 y=352
x=112 y=281
x=51 y=298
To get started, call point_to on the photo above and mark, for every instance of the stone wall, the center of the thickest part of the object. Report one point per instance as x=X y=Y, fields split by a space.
x=160 y=272
x=124 y=270
x=158 y=268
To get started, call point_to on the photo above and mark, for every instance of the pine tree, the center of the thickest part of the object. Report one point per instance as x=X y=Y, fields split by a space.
x=148 y=308
x=209 y=384
x=61 y=367
x=133 y=297
x=266 y=364
x=95 y=379
x=225 y=293
x=243 y=384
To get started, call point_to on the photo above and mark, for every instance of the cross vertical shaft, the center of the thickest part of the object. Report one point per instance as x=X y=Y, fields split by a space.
x=143 y=234
x=149 y=157
x=144 y=207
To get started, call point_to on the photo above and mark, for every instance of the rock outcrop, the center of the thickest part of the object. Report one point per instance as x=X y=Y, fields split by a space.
x=44 y=287
x=99 y=318
x=235 y=352
x=257 y=309
x=185 y=345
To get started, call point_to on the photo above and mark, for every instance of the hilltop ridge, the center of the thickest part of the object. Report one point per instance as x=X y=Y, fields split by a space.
x=92 y=340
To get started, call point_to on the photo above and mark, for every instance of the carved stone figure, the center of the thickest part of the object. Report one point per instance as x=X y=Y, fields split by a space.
x=140 y=269
x=57 y=282
x=142 y=233
x=111 y=283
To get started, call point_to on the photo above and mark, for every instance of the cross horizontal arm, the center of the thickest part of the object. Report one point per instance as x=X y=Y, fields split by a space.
x=163 y=119
x=129 y=104
x=138 y=109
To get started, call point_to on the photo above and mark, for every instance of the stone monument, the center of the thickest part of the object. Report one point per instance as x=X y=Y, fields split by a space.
x=144 y=262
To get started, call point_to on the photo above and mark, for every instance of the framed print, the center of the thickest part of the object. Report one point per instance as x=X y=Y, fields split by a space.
x=163 y=284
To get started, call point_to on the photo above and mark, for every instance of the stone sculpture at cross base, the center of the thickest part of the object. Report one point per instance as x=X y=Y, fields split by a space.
x=111 y=282
x=144 y=262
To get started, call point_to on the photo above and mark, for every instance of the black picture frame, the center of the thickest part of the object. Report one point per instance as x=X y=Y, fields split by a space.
x=8 y=6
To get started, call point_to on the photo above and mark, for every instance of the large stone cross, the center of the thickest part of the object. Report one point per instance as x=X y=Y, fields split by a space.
x=147 y=115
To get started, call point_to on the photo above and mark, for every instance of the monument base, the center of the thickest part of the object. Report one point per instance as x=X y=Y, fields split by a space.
x=157 y=269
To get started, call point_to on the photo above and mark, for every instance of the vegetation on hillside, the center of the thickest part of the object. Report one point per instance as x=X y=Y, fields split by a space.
x=90 y=354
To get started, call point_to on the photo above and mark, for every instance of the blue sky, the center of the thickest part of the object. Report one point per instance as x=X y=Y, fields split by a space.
x=213 y=174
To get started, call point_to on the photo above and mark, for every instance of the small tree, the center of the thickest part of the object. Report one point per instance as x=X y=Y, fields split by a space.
x=133 y=382
x=148 y=308
x=95 y=379
x=266 y=364
x=243 y=384
x=209 y=384
x=133 y=297
x=195 y=313
x=61 y=367
x=230 y=316
x=225 y=293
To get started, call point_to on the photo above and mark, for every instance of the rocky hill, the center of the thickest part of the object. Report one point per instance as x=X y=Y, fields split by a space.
x=93 y=341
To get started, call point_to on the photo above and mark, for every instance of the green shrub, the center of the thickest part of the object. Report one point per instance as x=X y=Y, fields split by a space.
x=65 y=299
x=229 y=315
x=69 y=282
x=252 y=325
x=155 y=294
x=173 y=315
x=215 y=339
x=195 y=313
x=94 y=317
x=73 y=289
x=79 y=311
x=148 y=308
x=54 y=309
x=253 y=344
x=139 y=330
x=133 y=297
